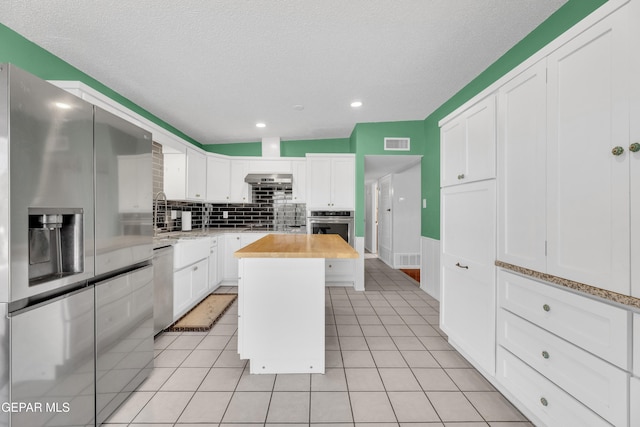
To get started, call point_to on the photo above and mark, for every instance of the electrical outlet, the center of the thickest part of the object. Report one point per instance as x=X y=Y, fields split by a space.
x=424 y=203
x=225 y=215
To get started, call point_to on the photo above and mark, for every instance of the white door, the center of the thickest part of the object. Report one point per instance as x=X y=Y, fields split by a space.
x=231 y=244
x=318 y=183
x=218 y=179
x=385 y=217
x=453 y=140
x=481 y=140
x=196 y=175
x=521 y=169
x=237 y=187
x=468 y=296
x=588 y=186
x=343 y=179
x=371 y=218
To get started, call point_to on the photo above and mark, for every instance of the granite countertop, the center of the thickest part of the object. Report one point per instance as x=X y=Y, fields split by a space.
x=164 y=239
x=626 y=300
x=298 y=246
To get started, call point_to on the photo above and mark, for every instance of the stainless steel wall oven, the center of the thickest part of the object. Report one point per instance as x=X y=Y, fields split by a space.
x=332 y=222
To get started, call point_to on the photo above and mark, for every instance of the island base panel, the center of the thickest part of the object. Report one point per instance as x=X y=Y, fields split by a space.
x=281 y=325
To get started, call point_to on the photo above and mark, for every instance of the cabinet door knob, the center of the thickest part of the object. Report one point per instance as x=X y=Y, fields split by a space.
x=546 y=307
x=195 y=268
x=635 y=147
x=544 y=401
x=545 y=354
x=461 y=266
x=461 y=176
x=617 y=150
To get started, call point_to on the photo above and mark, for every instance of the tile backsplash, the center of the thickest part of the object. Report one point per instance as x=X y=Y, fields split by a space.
x=270 y=207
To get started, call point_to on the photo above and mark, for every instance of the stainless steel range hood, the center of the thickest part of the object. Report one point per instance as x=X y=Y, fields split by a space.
x=269 y=178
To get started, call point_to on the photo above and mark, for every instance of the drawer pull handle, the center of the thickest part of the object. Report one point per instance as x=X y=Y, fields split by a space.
x=546 y=307
x=545 y=354
x=544 y=401
x=461 y=266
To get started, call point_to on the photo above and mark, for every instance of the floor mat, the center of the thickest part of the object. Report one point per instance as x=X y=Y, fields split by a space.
x=204 y=315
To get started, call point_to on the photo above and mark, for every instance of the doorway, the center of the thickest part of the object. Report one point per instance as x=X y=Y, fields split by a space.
x=392 y=209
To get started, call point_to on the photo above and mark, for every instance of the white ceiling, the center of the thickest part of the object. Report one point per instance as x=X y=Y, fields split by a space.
x=213 y=68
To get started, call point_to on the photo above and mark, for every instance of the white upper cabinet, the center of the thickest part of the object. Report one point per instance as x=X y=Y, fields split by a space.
x=185 y=175
x=468 y=145
x=588 y=217
x=196 y=175
x=331 y=182
x=634 y=164
x=175 y=176
x=521 y=169
x=299 y=185
x=239 y=190
x=218 y=179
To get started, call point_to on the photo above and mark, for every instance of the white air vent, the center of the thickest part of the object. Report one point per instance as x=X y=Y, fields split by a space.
x=397 y=144
x=407 y=260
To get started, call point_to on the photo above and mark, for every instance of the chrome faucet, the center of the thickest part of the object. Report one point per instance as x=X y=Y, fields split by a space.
x=155 y=213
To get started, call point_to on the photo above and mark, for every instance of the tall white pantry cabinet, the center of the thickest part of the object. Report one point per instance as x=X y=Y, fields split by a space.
x=468 y=232
x=568 y=206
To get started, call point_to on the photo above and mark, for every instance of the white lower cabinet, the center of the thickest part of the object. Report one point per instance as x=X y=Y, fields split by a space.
x=214 y=271
x=233 y=242
x=190 y=274
x=634 y=395
x=553 y=342
x=592 y=381
x=230 y=270
x=468 y=298
x=636 y=345
x=540 y=397
x=599 y=328
x=190 y=285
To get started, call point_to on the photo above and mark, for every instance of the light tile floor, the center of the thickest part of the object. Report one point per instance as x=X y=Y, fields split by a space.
x=387 y=362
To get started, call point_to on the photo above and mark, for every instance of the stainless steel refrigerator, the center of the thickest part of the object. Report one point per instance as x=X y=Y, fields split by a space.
x=124 y=275
x=76 y=331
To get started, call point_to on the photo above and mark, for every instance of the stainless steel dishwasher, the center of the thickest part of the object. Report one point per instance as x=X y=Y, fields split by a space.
x=162 y=288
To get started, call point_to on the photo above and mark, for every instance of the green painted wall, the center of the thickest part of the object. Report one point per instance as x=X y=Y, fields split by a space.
x=368 y=139
x=32 y=58
x=253 y=149
x=563 y=19
x=298 y=148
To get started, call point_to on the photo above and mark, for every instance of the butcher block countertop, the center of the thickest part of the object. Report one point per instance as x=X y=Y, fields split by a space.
x=298 y=246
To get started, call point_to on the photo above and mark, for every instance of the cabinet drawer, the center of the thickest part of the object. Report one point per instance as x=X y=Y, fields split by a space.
x=557 y=409
x=636 y=344
x=599 y=328
x=597 y=384
x=186 y=252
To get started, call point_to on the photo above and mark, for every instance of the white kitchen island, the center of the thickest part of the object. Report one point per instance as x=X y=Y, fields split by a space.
x=281 y=301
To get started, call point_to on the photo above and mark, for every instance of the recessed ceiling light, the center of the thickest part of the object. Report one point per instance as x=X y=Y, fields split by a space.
x=298 y=107
x=261 y=125
x=63 y=106
x=356 y=104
